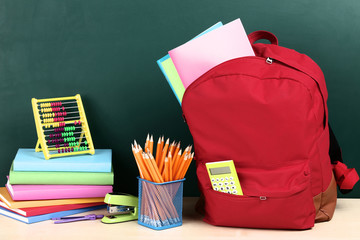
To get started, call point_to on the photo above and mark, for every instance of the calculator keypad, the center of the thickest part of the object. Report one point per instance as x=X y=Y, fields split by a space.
x=224 y=185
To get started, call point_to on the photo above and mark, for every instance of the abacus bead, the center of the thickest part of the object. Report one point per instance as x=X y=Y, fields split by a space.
x=86 y=143
x=72 y=149
x=58 y=150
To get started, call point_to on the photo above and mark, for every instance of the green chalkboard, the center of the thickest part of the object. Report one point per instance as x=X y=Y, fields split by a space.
x=107 y=51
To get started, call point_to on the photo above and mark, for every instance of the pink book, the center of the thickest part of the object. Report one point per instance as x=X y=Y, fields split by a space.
x=43 y=192
x=199 y=55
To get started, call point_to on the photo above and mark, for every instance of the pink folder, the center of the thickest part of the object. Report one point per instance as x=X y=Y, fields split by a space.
x=44 y=192
x=199 y=55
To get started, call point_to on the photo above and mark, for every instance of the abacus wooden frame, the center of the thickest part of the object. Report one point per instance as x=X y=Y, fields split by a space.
x=41 y=142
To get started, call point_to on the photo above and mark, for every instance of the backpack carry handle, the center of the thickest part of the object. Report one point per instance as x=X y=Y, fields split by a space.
x=257 y=35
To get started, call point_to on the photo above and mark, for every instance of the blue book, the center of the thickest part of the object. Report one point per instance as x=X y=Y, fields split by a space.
x=48 y=216
x=27 y=160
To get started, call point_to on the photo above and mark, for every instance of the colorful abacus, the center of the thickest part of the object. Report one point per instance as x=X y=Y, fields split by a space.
x=61 y=127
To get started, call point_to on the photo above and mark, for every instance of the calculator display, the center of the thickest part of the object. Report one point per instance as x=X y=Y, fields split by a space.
x=220 y=170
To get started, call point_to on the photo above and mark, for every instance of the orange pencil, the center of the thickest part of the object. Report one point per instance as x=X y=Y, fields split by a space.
x=172 y=147
x=164 y=153
x=175 y=161
x=157 y=172
x=137 y=162
x=162 y=145
x=178 y=161
x=177 y=149
x=146 y=143
x=165 y=172
x=151 y=144
x=187 y=166
x=151 y=168
x=141 y=165
x=180 y=169
x=170 y=162
x=158 y=151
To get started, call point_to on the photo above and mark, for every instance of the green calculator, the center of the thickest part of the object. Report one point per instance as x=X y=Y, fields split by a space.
x=223 y=177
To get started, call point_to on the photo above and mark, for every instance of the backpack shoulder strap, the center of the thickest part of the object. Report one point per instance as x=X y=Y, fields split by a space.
x=291 y=58
x=345 y=177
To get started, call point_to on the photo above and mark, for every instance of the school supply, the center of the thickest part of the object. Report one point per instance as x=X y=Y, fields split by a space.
x=199 y=55
x=61 y=178
x=20 y=192
x=76 y=219
x=122 y=208
x=34 y=211
x=160 y=204
x=170 y=162
x=160 y=183
x=268 y=113
x=61 y=127
x=223 y=177
x=27 y=159
x=168 y=69
x=44 y=217
x=6 y=198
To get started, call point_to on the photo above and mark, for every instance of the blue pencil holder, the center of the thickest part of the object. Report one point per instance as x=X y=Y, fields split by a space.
x=160 y=204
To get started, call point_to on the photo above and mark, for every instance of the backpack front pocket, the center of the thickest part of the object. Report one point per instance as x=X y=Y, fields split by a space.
x=270 y=207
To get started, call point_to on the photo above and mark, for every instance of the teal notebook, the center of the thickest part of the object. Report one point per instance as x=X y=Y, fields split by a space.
x=27 y=159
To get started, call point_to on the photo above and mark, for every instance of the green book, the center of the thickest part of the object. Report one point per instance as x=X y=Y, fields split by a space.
x=63 y=178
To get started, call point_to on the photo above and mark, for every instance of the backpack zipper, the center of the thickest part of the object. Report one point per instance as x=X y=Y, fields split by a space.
x=269 y=60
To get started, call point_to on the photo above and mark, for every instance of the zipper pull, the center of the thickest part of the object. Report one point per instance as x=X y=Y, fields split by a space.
x=269 y=60
x=262 y=198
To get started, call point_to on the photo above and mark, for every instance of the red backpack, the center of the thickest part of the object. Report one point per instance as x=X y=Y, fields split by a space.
x=268 y=114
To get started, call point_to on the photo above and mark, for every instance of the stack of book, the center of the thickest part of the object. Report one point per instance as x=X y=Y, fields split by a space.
x=39 y=189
